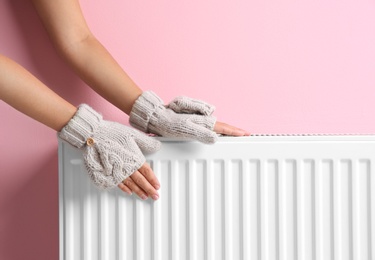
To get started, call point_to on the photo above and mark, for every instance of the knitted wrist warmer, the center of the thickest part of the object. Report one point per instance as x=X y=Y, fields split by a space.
x=111 y=151
x=143 y=109
x=81 y=127
x=184 y=118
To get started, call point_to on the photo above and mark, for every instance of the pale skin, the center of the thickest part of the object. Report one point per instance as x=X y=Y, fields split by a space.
x=68 y=30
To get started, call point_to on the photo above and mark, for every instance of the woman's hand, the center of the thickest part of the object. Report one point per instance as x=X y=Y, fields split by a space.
x=112 y=152
x=225 y=129
x=184 y=118
x=143 y=183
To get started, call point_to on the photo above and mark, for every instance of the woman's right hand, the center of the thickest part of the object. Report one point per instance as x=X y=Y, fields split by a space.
x=143 y=182
x=112 y=152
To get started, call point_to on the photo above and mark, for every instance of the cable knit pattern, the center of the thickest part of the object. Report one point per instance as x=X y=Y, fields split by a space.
x=111 y=151
x=184 y=118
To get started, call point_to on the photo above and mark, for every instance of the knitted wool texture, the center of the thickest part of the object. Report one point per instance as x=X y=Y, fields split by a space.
x=184 y=118
x=116 y=150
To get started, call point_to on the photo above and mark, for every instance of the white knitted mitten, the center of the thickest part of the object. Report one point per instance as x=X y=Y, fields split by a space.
x=111 y=151
x=184 y=118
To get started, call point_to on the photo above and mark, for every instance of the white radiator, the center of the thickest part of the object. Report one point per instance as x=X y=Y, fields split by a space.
x=260 y=197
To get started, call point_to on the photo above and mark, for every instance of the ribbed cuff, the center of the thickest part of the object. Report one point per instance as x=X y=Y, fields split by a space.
x=81 y=127
x=142 y=110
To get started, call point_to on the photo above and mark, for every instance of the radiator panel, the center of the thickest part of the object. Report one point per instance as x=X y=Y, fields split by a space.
x=281 y=197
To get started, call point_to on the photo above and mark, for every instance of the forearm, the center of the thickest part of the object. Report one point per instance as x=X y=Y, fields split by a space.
x=21 y=90
x=68 y=30
x=95 y=65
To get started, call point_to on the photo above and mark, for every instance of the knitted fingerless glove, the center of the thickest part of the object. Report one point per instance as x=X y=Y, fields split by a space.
x=111 y=151
x=184 y=118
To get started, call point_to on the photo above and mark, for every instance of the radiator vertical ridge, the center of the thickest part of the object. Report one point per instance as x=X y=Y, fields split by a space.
x=122 y=231
x=277 y=209
x=313 y=209
x=166 y=207
x=87 y=224
x=372 y=206
x=222 y=209
x=246 y=215
x=218 y=242
x=171 y=212
x=117 y=235
x=350 y=207
x=269 y=202
x=210 y=219
x=307 y=211
x=175 y=210
x=361 y=223
x=156 y=216
x=344 y=214
x=240 y=211
x=205 y=204
x=263 y=213
x=70 y=212
x=192 y=212
x=332 y=209
x=369 y=210
x=287 y=211
x=324 y=212
x=259 y=213
x=295 y=210
x=227 y=211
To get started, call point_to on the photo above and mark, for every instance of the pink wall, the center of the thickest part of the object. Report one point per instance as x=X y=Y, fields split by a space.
x=268 y=66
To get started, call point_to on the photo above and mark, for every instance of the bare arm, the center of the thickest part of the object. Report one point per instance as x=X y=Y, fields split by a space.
x=24 y=92
x=67 y=28
x=73 y=39
x=21 y=90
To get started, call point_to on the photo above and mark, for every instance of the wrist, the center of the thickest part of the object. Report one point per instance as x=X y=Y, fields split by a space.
x=81 y=126
x=143 y=110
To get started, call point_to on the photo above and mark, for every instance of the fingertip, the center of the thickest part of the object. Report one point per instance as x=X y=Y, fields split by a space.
x=244 y=133
x=238 y=132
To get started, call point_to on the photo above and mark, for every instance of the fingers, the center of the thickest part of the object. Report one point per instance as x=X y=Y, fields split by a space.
x=125 y=188
x=143 y=183
x=132 y=185
x=150 y=176
x=225 y=129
